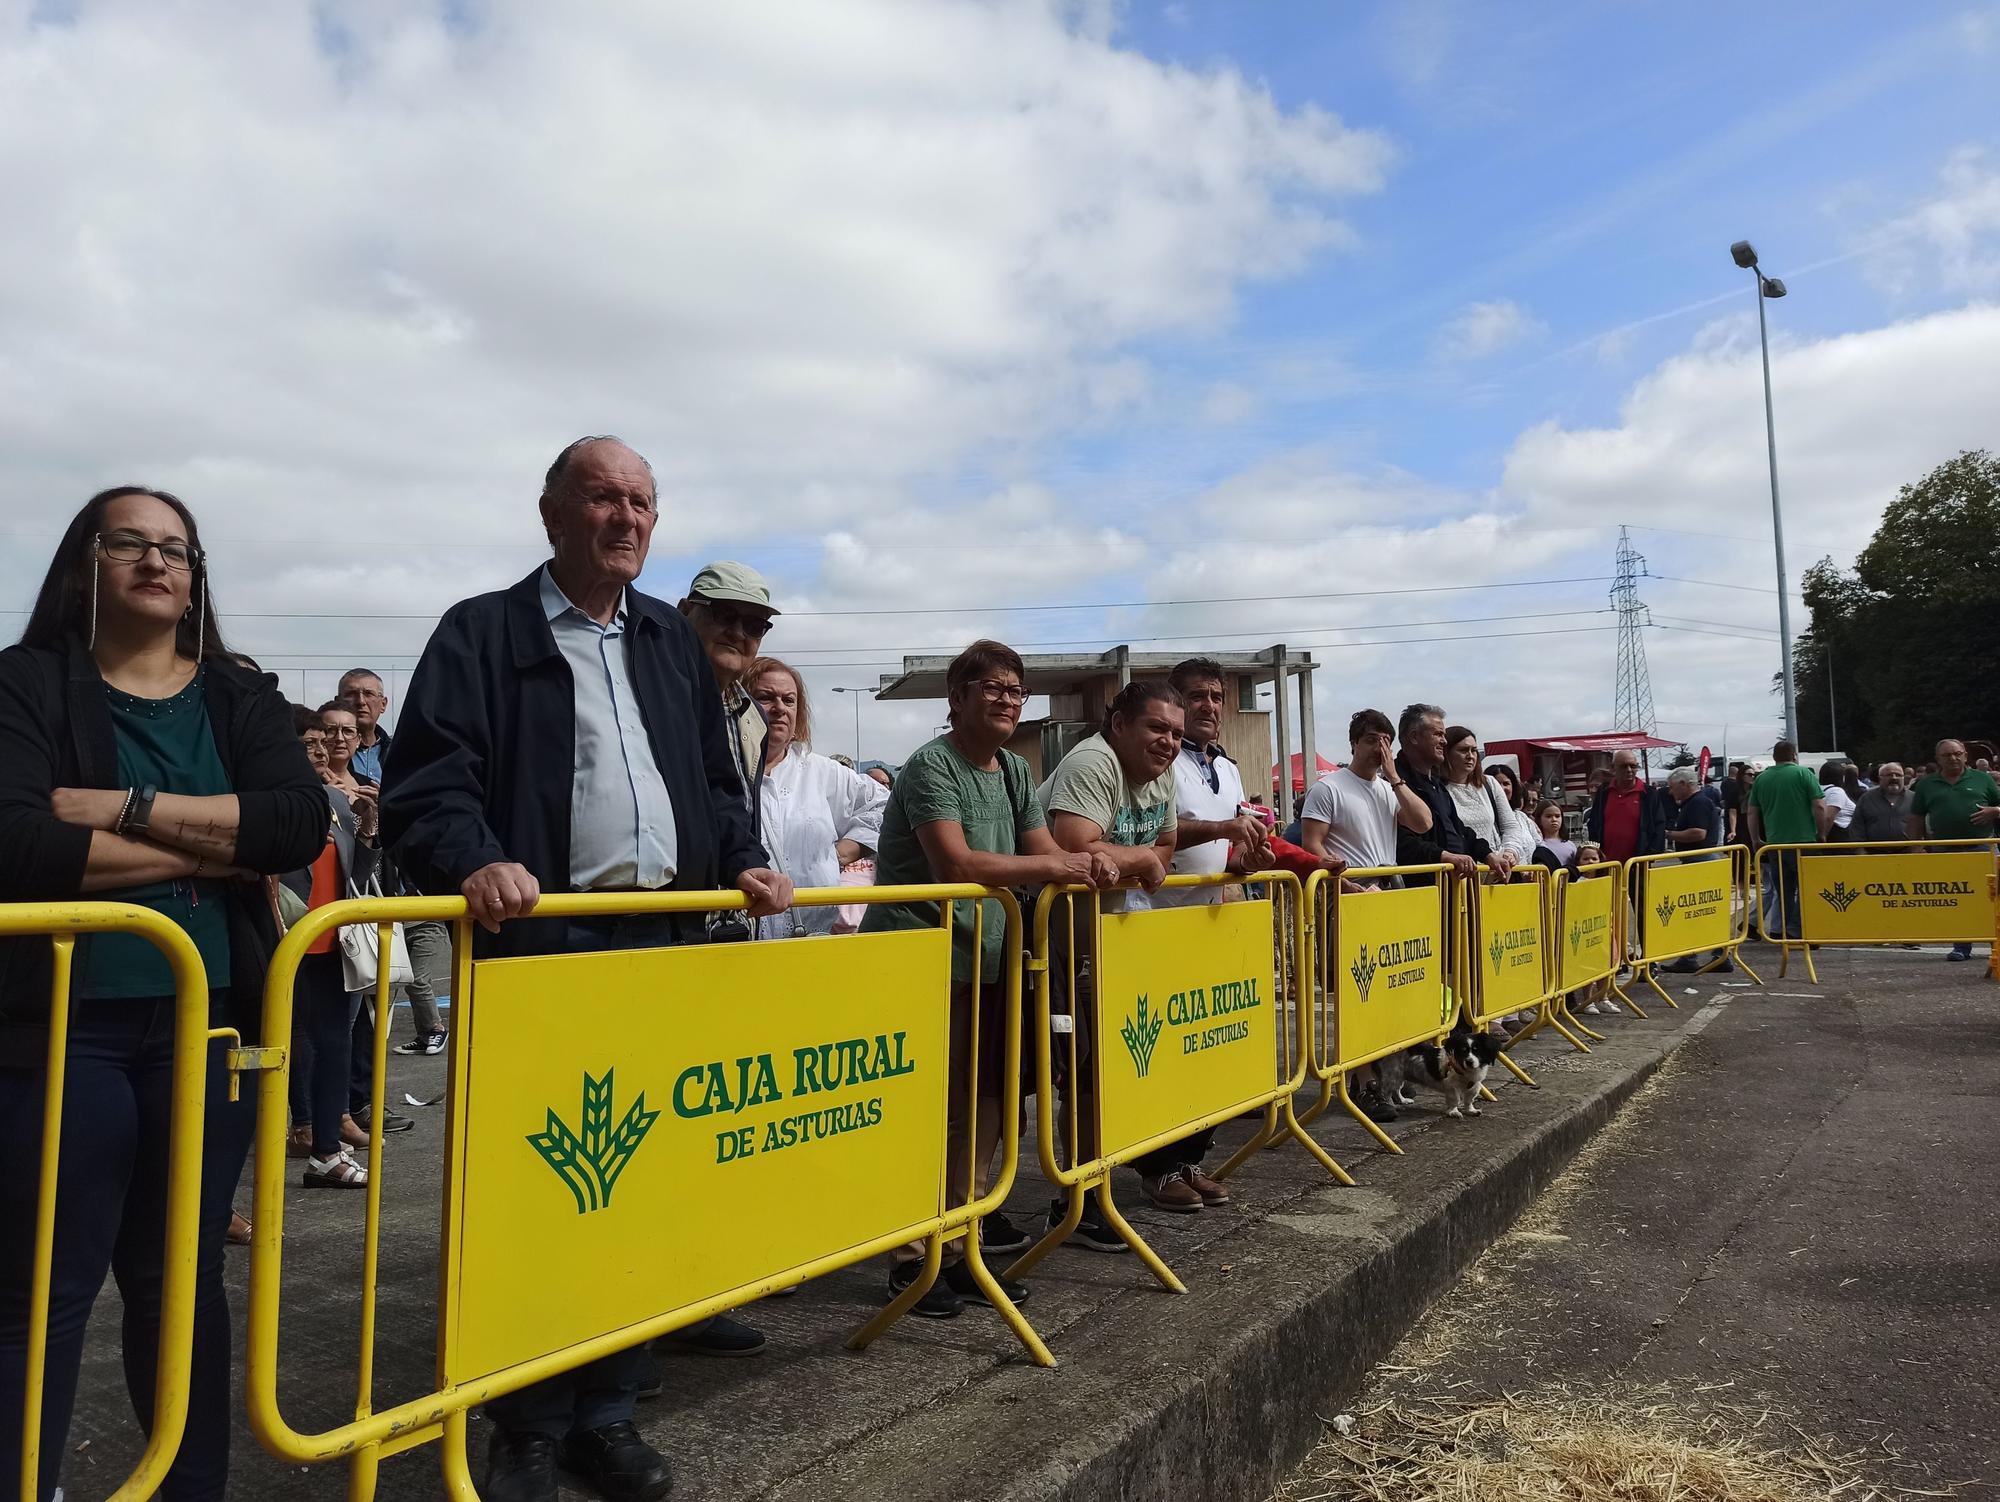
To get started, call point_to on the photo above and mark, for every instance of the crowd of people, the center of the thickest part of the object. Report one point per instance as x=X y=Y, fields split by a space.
x=573 y=734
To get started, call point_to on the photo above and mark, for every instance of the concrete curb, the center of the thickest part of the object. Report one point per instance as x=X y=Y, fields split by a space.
x=1218 y=1394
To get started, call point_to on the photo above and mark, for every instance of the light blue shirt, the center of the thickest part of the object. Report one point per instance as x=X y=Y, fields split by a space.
x=621 y=821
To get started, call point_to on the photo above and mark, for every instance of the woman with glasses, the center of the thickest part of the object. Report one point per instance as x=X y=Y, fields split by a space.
x=964 y=810
x=818 y=815
x=340 y=735
x=138 y=764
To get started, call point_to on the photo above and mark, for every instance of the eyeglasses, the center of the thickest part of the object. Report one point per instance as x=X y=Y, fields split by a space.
x=341 y=733
x=733 y=618
x=129 y=547
x=1002 y=693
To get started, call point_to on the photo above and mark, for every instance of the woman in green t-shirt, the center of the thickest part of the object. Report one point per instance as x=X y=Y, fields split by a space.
x=963 y=810
x=139 y=763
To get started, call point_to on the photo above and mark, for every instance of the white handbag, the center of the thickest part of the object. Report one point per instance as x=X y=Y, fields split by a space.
x=360 y=950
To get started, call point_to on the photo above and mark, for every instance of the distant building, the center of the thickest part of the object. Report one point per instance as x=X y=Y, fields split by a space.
x=1078 y=686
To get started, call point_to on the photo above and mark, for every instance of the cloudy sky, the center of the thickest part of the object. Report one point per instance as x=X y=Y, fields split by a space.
x=1069 y=323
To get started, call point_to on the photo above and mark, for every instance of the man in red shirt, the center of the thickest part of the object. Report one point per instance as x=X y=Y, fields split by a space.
x=1624 y=818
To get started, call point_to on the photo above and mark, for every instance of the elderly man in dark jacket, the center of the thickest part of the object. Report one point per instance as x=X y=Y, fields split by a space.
x=566 y=734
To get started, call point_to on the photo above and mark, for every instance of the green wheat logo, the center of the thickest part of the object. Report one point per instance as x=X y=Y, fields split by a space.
x=1841 y=898
x=1140 y=1032
x=1665 y=911
x=1363 y=971
x=1495 y=950
x=590 y=1162
x=1575 y=938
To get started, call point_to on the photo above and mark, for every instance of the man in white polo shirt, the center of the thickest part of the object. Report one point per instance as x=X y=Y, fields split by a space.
x=1353 y=812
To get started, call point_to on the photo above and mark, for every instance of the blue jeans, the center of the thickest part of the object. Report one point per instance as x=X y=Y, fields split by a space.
x=606 y=1390
x=111 y=1209
x=323 y=1014
x=1789 y=861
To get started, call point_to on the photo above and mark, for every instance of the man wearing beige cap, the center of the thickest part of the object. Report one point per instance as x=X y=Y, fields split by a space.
x=729 y=606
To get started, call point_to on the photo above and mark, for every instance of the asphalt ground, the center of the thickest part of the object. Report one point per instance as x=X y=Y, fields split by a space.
x=1794 y=1222
x=951 y=1408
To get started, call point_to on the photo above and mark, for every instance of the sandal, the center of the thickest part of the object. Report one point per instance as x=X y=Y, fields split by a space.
x=352 y=1132
x=238 y=1233
x=337 y=1172
x=299 y=1142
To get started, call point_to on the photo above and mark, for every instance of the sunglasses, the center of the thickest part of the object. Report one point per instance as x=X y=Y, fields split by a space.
x=735 y=618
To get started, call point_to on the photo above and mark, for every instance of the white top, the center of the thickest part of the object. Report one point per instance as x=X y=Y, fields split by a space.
x=1483 y=811
x=1359 y=814
x=1198 y=800
x=621 y=820
x=1842 y=805
x=810 y=802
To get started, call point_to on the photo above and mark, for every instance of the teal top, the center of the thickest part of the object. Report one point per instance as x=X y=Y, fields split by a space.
x=169 y=743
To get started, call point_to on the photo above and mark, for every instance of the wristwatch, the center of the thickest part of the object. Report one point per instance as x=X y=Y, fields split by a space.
x=138 y=812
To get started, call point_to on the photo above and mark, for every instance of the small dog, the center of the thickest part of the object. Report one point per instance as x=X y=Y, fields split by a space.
x=1456 y=1070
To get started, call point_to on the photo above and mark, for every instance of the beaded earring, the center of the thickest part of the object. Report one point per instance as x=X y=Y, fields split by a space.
x=90 y=642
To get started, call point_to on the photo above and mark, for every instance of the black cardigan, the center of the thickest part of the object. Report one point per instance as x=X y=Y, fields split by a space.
x=484 y=758
x=56 y=731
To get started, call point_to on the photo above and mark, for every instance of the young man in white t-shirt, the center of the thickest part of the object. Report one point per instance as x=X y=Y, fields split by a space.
x=1353 y=813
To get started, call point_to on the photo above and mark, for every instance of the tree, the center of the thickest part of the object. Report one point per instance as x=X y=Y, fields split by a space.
x=1906 y=643
x=1683 y=758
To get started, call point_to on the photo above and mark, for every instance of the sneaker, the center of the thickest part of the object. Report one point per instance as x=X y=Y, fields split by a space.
x=1591 y=1009
x=1212 y=1191
x=999 y=1234
x=1091 y=1233
x=1170 y=1191
x=718 y=1336
x=430 y=1043
x=1610 y=1008
x=622 y=1466
x=938 y=1302
x=1960 y=952
x=959 y=1277
x=391 y=1122
x=1374 y=1106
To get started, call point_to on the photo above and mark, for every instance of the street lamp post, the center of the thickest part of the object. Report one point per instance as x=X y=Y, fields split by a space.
x=1745 y=256
x=854 y=693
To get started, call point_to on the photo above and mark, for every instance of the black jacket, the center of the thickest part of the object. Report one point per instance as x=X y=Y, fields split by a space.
x=484 y=758
x=56 y=731
x=1447 y=834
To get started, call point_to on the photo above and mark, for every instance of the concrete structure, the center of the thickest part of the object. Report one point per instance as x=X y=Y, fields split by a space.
x=1078 y=686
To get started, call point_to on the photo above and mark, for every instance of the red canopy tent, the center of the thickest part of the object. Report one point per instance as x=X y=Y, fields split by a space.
x=1299 y=770
x=1576 y=755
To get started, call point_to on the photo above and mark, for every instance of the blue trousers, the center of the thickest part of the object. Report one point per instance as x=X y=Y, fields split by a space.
x=111 y=1211
x=606 y=1390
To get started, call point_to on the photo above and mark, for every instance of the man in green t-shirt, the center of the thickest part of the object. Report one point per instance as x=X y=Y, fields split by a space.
x=1956 y=802
x=1787 y=807
x=1114 y=795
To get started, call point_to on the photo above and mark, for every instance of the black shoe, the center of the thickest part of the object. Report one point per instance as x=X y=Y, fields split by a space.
x=519 y=1468
x=959 y=1276
x=1727 y=967
x=720 y=1336
x=938 y=1302
x=1092 y=1234
x=1374 y=1107
x=618 y=1463
x=391 y=1122
x=1686 y=966
x=999 y=1234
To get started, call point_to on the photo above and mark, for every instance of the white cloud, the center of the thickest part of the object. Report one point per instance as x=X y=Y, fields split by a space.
x=347 y=279
x=1486 y=328
x=1949 y=242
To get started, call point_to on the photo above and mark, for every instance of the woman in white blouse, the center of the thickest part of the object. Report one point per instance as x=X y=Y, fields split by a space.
x=1482 y=805
x=817 y=815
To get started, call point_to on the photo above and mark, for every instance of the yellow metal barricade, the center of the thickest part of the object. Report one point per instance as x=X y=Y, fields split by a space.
x=1382 y=976
x=1174 y=1022
x=606 y=1139
x=1880 y=892
x=1507 y=954
x=63 y=923
x=1685 y=905
x=1590 y=940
